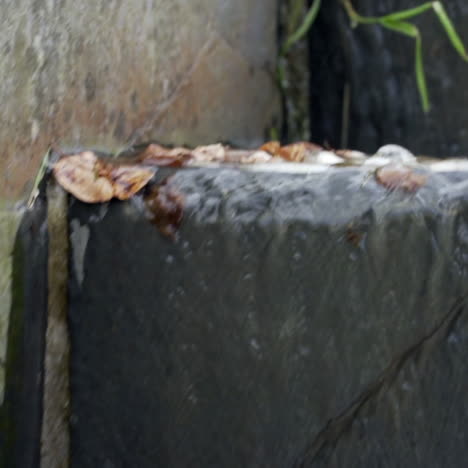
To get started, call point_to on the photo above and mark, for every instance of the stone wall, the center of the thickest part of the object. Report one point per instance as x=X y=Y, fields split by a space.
x=302 y=316
x=118 y=72
x=112 y=74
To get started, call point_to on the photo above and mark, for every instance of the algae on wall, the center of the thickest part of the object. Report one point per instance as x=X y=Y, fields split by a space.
x=9 y=221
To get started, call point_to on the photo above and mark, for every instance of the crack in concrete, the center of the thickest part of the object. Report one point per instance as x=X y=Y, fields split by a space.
x=213 y=41
x=328 y=437
x=166 y=104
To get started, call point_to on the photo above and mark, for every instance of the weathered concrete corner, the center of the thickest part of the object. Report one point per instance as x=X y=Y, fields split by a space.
x=115 y=73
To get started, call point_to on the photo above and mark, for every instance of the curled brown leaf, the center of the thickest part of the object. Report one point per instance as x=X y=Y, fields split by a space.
x=257 y=157
x=294 y=152
x=271 y=147
x=396 y=176
x=209 y=153
x=79 y=175
x=350 y=155
x=93 y=180
x=128 y=180
x=161 y=156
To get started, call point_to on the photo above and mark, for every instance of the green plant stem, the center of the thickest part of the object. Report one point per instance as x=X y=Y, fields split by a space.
x=303 y=28
x=399 y=15
x=398 y=22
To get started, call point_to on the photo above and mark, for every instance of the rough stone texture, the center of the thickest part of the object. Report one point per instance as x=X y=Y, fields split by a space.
x=298 y=320
x=379 y=67
x=117 y=72
x=20 y=414
x=389 y=428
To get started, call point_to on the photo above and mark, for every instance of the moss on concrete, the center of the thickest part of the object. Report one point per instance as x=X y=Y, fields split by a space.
x=9 y=220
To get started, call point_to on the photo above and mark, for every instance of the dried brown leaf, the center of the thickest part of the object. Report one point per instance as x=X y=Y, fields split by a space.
x=166 y=207
x=393 y=177
x=161 y=156
x=271 y=147
x=294 y=152
x=350 y=155
x=236 y=156
x=257 y=157
x=128 y=180
x=209 y=153
x=79 y=175
x=93 y=180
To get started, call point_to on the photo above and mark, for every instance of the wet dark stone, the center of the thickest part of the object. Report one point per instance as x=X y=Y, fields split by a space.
x=296 y=320
x=378 y=65
x=21 y=412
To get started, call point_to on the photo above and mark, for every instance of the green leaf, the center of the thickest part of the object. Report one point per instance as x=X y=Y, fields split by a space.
x=356 y=18
x=402 y=27
x=450 y=29
x=40 y=174
x=295 y=15
x=281 y=74
x=411 y=30
x=396 y=22
x=410 y=13
x=305 y=26
x=420 y=76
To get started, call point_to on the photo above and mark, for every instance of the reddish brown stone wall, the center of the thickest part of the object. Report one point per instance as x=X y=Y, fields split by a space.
x=118 y=72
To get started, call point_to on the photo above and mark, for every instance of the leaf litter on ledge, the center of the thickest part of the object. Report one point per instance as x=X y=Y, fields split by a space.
x=95 y=180
x=92 y=179
x=400 y=177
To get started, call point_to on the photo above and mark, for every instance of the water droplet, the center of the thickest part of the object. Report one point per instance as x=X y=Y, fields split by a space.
x=353 y=256
x=254 y=343
x=453 y=338
x=406 y=386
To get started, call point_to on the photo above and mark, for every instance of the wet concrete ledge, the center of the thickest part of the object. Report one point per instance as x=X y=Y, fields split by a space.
x=24 y=341
x=296 y=320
